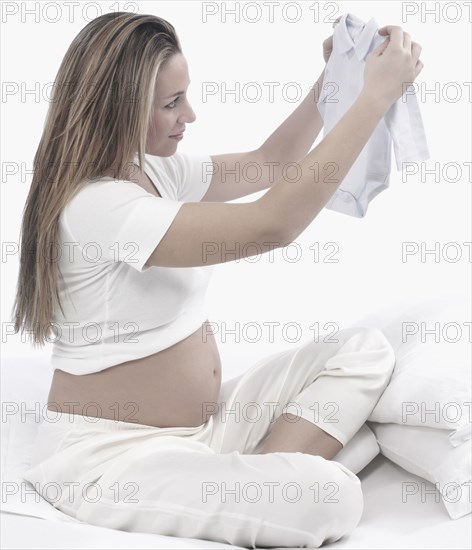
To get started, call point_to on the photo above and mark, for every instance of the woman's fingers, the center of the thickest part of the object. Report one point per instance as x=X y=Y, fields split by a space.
x=407 y=41
x=327 y=48
x=415 y=51
x=387 y=29
x=380 y=48
x=419 y=67
x=397 y=37
x=328 y=41
x=394 y=35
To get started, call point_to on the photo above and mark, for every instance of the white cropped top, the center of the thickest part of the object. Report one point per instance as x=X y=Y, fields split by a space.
x=115 y=308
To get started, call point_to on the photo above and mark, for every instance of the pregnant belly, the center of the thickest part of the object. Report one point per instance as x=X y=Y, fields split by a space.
x=178 y=386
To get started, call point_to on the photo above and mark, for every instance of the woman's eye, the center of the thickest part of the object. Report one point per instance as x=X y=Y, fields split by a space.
x=172 y=104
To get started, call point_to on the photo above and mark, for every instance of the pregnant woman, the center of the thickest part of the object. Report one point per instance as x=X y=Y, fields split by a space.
x=139 y=434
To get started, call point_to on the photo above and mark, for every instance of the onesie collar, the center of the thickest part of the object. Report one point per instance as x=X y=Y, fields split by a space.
x=352 y=32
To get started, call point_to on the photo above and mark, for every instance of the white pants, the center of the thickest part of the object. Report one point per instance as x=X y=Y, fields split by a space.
x=209 y=482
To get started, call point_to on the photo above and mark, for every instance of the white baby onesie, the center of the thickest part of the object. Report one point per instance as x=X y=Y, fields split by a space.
x=353 y=40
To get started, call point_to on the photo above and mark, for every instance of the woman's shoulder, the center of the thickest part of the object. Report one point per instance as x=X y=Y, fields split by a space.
x=103 y=193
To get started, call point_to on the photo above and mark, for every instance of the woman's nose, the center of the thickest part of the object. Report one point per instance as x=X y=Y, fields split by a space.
x=188 y=114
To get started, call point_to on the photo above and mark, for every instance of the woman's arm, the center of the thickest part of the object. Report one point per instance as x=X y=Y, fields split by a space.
x=290 y=142
x=297 y=198
x=205 y=233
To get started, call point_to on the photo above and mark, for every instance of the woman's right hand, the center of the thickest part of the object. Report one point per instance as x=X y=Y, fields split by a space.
x=392 y=65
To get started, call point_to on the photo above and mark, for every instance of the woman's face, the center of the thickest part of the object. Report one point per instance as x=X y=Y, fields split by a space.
x=172 y=111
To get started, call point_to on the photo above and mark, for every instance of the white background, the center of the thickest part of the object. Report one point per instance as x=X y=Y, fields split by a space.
x=369 y=273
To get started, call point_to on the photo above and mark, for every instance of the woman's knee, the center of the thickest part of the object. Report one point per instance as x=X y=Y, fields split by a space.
x=348 y=499
x=336 y=498
x=375 y=341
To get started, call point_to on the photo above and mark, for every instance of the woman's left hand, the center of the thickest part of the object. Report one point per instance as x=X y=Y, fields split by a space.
x=328 y=44
x=327 y=48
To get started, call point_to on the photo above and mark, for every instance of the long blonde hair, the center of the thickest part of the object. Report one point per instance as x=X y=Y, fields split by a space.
x=97 y=121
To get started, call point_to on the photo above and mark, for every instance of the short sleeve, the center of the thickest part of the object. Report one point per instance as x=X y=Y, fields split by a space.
x=195 y=172
x=116 y=220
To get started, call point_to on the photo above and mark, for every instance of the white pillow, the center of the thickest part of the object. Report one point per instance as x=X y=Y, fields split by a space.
x=431 y=382
x=24 y=391
x=427 y=452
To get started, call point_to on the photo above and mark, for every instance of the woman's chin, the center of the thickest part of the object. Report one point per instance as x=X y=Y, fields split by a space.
x=163 y=150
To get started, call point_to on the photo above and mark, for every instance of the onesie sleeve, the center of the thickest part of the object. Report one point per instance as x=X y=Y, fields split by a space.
x=195 y=172
x=118 y=221
x=405 y=125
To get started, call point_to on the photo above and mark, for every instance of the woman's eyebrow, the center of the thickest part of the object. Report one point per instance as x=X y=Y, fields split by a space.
x=173 y=95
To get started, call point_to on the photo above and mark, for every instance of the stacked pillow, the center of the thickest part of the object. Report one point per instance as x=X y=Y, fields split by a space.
x=422 y=421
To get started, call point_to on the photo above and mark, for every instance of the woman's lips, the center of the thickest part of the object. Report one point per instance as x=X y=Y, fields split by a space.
x=177 y=136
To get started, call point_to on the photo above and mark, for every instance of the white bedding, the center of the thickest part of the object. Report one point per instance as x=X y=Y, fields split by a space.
x=394 y=516
x=387 y=522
